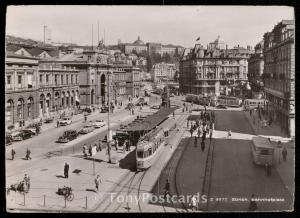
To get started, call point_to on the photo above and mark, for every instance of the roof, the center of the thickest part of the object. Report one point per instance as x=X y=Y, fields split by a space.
x=152 y=121
x=12 y=54
x=262 y=142
x=71 y=57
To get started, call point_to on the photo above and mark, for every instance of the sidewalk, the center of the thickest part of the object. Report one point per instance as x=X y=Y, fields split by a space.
x=47 y=177
x=286 y=170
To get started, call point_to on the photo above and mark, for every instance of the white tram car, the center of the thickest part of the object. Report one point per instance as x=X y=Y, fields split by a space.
x=149 y=147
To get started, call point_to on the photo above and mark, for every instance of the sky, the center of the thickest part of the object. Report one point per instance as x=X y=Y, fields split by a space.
x=178 y=25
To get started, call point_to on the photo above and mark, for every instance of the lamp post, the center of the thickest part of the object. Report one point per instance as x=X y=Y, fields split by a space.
x=108 y=121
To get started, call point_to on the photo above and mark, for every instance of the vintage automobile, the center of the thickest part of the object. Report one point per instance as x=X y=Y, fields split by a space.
x=32 y=129
x=68 y=135
x=104 y=109
x=49 y=120
x=98 y=123
x=22 y=135
x=86 y=129
x=220 y=106
x=65 y=121
x=155 y=107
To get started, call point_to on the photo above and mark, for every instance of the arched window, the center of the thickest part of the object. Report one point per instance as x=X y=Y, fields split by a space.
x=9 y=110
x=29 y=107
x=20 y=109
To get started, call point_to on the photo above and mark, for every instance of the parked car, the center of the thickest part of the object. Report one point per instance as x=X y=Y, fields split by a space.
x=8 y=139
x=65 y=121
x=123 y=126
x=32 y=129
x=104 y=109
x=99 y=123
x=86 y=129
x=156 y=107
x=220 y=106
x=87 y=110
x=22 y=135
x=68 y=135
x=49 y=120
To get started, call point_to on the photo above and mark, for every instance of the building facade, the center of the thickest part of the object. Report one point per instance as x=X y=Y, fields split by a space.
x=279 y=74
x=58 y=88
x=255 y=71
x=138 y=46
x=213 y=71
x=21 y=90
x=163 y=72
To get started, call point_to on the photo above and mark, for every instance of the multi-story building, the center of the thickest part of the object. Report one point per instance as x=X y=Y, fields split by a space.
x=213 y=71
x=21 y=90
x=58 y=88
x=138 y=46
x=255 y=71
x=279 y=74
x=163 y=72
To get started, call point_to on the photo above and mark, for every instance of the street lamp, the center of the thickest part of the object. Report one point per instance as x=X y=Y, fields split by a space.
x=108 y=123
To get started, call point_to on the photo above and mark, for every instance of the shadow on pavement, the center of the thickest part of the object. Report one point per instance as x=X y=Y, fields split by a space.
x=59 y=176
x=91 y=190
x=129 y=161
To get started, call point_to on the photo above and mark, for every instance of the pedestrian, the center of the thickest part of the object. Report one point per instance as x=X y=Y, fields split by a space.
x=117 y=144
x=202 y=146
x=124 y=146
x=66 y=170
x=97 y=182
x=203 y=135
x=173 y=114
x=57 y=124
x=191 y=131
x=99 y=145
x=210 y=134
x=193 y=203
x=253 y=205
x=27 y=182
x=199 y=132
x=195 y=141
x=28 y=152
x=229 y=133
x=85 y=118
x=84 y=150
x=284 y=153
x=90 y=150
x=13 y=152
x=167 y=189
x=37 y=129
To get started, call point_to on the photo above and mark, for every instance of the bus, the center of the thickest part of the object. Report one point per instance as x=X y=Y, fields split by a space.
x=254 y=103
x=229 y=101
x=262 y=151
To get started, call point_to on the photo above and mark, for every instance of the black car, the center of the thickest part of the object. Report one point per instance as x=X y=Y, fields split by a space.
x=87 y=110
x=68 y=135
x=49 y=120
x=104 y=109
x=8 y=140
x=22 y=135
x=220 y=106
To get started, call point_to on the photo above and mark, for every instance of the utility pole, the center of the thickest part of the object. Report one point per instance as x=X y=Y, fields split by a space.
x=92 y=37
x=108 y=123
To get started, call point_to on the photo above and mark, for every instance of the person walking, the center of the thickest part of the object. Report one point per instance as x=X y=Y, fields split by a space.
x=13 y=152
x=28 y=152
x=117 y=144
x=284 y=153
x=191 y=131
x=195 y=141
x=99 y=145
x=90 y=150
x=210 y=134
x=167 y=189
x=27 y=182
x=199 y=132
x=97 y=182
x=202 y=146
x=253 y=205
x=84 y=150
x=57 y=124
x=193 y=203
x=66 y=170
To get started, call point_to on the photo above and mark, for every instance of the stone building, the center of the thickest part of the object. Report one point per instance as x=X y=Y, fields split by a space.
x=163 y=72
x=255 y=71
x=215 y=70
x=21 y=90
x=279 y=74
x=58 y=88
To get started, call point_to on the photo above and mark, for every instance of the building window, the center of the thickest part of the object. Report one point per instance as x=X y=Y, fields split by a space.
x=61 y=79
x=47 y=78
x=41 y=78
x=67 y=79
x=55 y=79
x=76 y=79
x=72 y=79
x=19 y=81
x=8 y=81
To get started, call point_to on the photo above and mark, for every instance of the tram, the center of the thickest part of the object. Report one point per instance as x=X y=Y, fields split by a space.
x=149 y=147
x=229 y=101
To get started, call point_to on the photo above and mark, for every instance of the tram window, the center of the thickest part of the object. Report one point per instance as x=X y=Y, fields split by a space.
x=140 y=154
x=264 y=152
x=150 y=151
